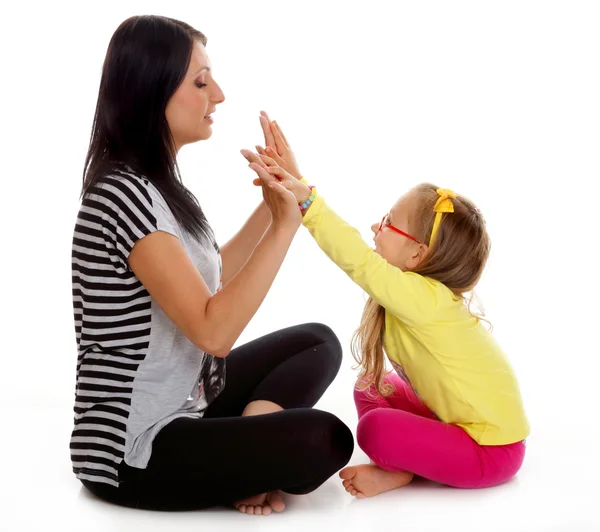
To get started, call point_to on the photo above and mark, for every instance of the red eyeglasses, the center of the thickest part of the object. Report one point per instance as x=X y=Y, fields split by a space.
x=385 y=222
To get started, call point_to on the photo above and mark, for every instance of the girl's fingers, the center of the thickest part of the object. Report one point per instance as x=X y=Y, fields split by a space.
x=269 y=139
x=285 y=184
x=275 y=156
x=281 y=133
x=277 y=171
x=267 y=160
x=279 y=142
x=260 y=150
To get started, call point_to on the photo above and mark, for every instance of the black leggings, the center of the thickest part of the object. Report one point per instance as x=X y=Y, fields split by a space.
x=223 y=457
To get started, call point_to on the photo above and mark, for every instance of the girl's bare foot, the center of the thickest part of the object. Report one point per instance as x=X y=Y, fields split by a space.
x=368 y=480
x=261 y=504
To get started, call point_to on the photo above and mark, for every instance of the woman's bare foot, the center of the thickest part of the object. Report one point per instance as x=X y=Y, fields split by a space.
x=266 y=502
x=368 y=480
x=261 y=504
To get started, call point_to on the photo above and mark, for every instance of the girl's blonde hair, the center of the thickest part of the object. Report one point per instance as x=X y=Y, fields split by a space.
x=456 y=258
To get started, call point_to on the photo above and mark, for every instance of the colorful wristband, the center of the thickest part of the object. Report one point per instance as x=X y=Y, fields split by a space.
x=306 y=204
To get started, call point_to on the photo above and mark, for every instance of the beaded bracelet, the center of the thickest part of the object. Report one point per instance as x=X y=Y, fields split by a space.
x=305 y=205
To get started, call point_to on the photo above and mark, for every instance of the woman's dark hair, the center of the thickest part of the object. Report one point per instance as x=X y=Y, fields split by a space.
x=146 y=61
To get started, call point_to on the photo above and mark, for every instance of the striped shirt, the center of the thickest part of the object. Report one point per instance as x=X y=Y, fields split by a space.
x=136 y=371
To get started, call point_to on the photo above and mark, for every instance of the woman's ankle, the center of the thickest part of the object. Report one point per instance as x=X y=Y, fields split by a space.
x=258 y=408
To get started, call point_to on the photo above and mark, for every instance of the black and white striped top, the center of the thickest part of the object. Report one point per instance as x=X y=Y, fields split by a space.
x=136 y=371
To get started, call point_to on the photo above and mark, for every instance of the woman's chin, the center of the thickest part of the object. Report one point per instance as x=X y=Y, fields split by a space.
x=206 y=134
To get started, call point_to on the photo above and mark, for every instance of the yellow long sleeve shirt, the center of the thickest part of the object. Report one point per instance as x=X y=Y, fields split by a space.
x=449 y=358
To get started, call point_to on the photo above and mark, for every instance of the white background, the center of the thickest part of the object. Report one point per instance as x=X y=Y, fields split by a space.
x=496 y=100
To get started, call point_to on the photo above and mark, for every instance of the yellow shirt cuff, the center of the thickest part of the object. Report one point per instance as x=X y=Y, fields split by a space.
x=311 y=218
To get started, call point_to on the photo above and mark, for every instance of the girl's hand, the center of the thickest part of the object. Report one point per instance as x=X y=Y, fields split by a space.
x=281 y=201
x=277 y=146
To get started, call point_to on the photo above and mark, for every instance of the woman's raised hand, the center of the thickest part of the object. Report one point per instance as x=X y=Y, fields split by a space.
x=300 y=190
x=281 y=202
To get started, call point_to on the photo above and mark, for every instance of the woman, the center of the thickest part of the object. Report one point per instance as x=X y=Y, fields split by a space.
x=167 y=415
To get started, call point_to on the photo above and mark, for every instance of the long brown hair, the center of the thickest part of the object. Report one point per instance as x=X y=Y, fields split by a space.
x=146 y=61
x=456 y=259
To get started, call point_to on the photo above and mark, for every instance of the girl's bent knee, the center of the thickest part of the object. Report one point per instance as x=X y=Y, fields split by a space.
x=370 y=431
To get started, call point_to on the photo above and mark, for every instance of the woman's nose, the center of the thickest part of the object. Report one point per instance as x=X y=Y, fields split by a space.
x=375 y=228
x=218 y=96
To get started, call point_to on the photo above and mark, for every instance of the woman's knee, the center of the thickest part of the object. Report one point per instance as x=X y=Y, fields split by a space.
x=330 y=341
x=322 y=446
x=330 y=439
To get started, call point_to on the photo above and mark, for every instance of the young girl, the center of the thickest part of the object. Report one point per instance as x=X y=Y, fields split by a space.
x=452 y=411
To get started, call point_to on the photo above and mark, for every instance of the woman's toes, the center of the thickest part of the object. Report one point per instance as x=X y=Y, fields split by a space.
x=276 y=502
x=242 y=508
x=266 y=510
x=250 y=510
x=346 y=483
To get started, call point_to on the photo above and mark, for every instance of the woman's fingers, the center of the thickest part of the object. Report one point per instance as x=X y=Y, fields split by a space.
x=266 y=127
x=260 y=150
x=252 y=157
x=279 y=188
x=264 y=176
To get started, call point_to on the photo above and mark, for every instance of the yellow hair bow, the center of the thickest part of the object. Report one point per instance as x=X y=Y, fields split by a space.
x=442 y=205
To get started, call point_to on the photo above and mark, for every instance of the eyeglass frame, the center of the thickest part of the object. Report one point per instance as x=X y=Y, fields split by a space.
x=396 y=229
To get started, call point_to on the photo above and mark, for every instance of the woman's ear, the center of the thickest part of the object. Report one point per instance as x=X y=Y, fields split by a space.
x=417 y=256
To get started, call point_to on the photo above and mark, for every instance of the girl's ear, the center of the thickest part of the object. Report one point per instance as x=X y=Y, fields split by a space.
x=417 y=256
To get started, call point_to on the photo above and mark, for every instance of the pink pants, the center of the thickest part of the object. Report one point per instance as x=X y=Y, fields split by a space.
x=399 y=433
